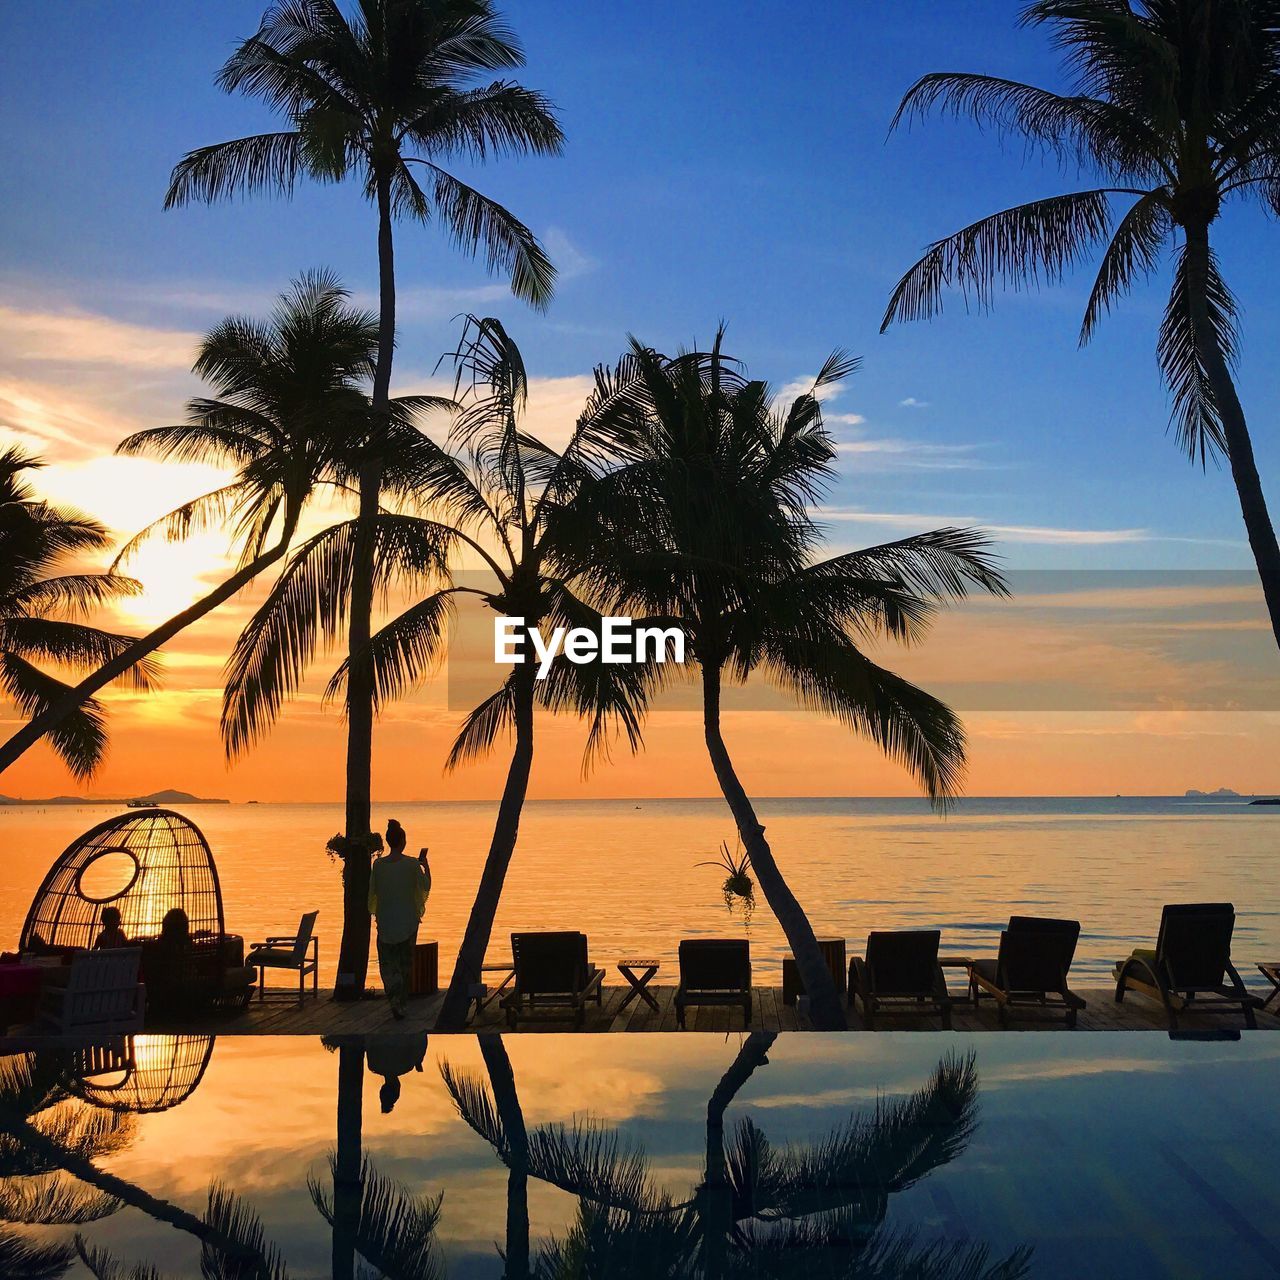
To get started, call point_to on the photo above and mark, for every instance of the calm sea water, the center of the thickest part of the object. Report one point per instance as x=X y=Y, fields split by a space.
x=624 y=871
x=1127 y=1157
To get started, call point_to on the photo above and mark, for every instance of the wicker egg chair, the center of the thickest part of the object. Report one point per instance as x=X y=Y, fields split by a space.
x=138 y=1074
x=144 y=864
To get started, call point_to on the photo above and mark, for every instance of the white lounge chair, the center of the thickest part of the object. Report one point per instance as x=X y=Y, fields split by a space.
x=102 y=995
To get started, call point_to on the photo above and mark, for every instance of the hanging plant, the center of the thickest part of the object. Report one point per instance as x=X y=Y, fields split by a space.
x=339 y=846
x=738 y=887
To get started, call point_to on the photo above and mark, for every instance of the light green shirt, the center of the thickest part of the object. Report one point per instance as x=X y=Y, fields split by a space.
x=398 y=889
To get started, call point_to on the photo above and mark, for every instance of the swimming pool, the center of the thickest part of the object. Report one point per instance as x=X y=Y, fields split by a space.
x=1050 y=1156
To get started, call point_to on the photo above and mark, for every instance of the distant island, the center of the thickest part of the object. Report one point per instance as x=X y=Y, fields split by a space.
x=155 y=798
x=1266 y=800
x=1222 y=793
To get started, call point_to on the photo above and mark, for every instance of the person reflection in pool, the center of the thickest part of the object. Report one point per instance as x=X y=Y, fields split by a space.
x=392 y=1057
x=398 y=889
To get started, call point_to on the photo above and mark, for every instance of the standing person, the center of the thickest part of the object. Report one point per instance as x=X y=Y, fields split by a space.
x=398 y=888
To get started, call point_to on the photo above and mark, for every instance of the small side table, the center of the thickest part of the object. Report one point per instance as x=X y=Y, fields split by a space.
x=959 y=962
x=638 y=973
x=1271 y=972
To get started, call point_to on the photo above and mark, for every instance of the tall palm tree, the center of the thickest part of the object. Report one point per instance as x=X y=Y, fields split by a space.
x=1174 y=112
x=35 y=539
x=710 y=513
x=287 y=412
x=504 y=496
x=384 y=94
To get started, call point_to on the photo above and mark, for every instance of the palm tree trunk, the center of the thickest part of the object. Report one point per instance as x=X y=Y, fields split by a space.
x=716 y=1201
x=38 y=726
x=1244 y=469
x=165 y=1211
x=825 y=1009
x=348 y=1162
x=502 y=1081
x=475 y=941
x=353 y=954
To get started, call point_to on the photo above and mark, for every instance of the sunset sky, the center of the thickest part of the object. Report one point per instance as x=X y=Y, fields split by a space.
x=732 y=167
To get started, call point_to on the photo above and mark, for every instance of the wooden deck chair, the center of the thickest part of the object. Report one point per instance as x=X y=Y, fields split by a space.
x=1190 y=968
x=553 y=973
x=102 y=995
x=1031 y=968
x=900 y=974
x=714 y=971
x=298 y=953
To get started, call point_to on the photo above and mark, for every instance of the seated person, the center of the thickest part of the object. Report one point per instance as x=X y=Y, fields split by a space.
x=112 y=935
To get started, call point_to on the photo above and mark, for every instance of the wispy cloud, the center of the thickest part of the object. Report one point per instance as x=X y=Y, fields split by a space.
x=891 y=454
x=570 y=261
x=912 y=403
x=82 y=337
x=1023 y=533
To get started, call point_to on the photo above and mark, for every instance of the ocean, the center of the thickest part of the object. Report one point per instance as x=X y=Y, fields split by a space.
x=624 y=872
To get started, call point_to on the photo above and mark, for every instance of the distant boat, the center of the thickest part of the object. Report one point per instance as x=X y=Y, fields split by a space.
x=141 y=804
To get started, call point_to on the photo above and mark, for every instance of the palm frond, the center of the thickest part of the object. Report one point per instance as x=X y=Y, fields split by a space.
x=830 y=675
x=1019 y=248
x=475 y=222
x=483 y=723
x=25 y=1259
x=395 y=1229
x=405 y=651
x=264 y=162
x=80 y=738
x=50 y=1200
x=1196 y=419
x=1134 y=251
x=103 y=1265
x=240 y=1250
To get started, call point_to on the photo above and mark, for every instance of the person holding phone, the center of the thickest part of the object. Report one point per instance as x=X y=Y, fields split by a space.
x=398 y=889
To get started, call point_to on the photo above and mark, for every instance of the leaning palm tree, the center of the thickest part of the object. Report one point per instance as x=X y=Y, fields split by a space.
x=504 y=496
x=712 y=530
x=385 y=94
x=1174 y=113
x=45 y=1133
x=36 y=539
x=288 y=413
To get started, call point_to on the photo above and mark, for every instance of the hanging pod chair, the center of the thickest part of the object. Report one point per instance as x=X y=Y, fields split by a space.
x=144 y=864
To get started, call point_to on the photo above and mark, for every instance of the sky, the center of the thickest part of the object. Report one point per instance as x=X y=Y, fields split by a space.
x=734 y=166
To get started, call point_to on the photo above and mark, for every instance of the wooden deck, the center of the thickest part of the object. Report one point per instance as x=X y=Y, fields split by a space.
x=326 y=1017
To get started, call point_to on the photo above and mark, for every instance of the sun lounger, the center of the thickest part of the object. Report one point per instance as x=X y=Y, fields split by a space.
x=714 y=971
x=553 y=972
x=1031 y=968
x=900 y=974
x=1190 y=968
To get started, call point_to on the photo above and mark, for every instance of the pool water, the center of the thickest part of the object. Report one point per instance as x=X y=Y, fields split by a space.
x=893 y=1155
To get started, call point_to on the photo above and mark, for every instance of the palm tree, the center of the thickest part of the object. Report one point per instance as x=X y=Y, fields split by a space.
x=384 y=94
x=800 y=1211
x=712 y=531
x=44 y=1132
x=288 y=413
x=372 y=1217
x=35 y=539
x=505 y=496
x=1175 y=111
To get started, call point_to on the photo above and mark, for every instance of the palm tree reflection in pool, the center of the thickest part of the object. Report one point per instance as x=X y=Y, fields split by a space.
x=814 y=1211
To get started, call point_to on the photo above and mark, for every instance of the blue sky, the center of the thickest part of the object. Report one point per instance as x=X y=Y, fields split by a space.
x=722 y=162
